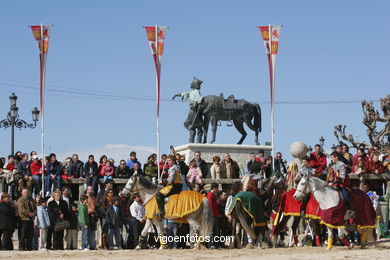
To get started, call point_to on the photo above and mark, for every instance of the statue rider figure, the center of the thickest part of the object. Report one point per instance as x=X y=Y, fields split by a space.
x=195 y=99
x=173 y=185
x=339 y=179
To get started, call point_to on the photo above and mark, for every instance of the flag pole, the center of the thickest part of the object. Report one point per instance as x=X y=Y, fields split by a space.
x=42 y=95
x=157 y=104
x=272 y=81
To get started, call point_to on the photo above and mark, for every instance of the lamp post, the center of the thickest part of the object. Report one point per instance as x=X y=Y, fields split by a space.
x=13 y=120
x=322 y=142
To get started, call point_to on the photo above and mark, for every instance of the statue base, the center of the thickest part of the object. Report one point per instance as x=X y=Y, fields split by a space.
x=239 y=153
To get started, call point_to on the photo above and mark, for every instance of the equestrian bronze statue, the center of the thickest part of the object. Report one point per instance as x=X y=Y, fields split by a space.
x=213 y=109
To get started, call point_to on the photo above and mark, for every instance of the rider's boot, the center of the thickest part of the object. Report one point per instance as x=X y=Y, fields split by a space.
x=160 y=204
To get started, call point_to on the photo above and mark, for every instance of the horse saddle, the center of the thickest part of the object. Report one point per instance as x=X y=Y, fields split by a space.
x=229 y=103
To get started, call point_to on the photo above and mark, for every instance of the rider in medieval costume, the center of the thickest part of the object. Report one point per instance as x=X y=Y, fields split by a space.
x=339 y=179
x=304 y=171
x=173 y=185
x=195 y=99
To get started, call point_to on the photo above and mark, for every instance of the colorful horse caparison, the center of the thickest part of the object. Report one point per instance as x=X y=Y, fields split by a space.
x=332 y=208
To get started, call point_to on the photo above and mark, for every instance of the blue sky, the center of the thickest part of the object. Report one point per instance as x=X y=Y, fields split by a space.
x=329 y=51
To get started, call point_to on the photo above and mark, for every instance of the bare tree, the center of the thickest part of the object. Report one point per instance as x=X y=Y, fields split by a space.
x=371 y=118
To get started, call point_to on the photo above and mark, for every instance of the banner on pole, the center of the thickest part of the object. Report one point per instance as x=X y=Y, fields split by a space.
x=156 y=37
x=275 y=38
x=41 y=35
x=270 y=36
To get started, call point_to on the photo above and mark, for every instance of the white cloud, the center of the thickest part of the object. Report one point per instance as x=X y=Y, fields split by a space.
x=115 y=151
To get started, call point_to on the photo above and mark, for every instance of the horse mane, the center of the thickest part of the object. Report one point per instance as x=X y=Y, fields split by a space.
x=146 y=183
x=318 y=182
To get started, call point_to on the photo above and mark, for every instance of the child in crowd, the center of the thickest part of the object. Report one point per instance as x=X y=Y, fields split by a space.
x=194 y=174
x=108 y=171
x=83 y=220
x=71 y=233
x=43 y=223
x=215 y=169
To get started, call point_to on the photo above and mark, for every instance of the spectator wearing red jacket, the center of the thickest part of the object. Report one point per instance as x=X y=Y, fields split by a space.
x=376 y=166
x=318 y=160
x=36 y=172
x=360 y=153
x=212 y=196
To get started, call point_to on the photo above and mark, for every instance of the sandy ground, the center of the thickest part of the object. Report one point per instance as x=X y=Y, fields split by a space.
x=380 y=251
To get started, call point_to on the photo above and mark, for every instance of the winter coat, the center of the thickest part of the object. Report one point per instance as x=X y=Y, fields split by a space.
x=56 y=209
x=76 y=170
x=7 y=216
x=73 y=219
x=114 y=219
x=123 y=173
x=54 y=168
x=25 y=206
x=82 y=210
x=235 y=170
x=36 y=168
x=91 y=168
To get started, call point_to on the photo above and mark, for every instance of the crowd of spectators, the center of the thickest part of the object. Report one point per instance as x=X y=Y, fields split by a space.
x=46 y=217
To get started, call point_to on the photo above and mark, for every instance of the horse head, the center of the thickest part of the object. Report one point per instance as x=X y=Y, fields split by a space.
x=129 y=187
x=303 y=187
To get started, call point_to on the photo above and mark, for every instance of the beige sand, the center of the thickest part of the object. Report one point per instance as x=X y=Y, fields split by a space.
x=381 y=251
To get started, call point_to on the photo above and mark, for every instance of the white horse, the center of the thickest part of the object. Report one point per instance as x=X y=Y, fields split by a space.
x=200 y=220
x=327 y=198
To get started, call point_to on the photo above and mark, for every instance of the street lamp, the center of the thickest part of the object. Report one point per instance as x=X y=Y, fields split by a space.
x=13 y=120
x=322 y=142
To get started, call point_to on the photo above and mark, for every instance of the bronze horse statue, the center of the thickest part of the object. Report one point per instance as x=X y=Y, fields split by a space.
x=213 y=109
x=216 y=108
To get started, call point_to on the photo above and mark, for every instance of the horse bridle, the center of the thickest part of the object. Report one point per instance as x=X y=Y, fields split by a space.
x=131 y=189
x=302 y=192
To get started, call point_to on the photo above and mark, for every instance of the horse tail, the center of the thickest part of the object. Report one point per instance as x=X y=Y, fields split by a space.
x=257 y=120
x=206 y=224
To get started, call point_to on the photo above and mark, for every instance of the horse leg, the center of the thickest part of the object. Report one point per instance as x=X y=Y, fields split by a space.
x=253 y=128
x=192 y=135
x=316 y=230
x=294 y=228
x=240 y=128
x=144 y=233
x=243 y=222
x=160 y=234
x=278 y=229
x=200 y=135
x=195 y=228
x=341 y=233
x=213 y=122
x=330 y=238
x=363 y=238
x=206 y=122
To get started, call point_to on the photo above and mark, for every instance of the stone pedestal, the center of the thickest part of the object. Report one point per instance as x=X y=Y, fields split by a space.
x=239 y=153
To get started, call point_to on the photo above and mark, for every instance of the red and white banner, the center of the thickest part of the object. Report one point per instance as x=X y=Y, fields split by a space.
x=157 y=48
x=156 y=37
x=41 y=34
x=270 y=35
